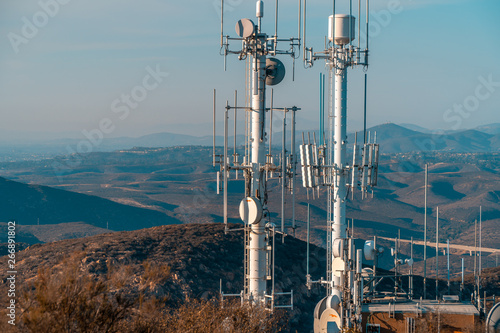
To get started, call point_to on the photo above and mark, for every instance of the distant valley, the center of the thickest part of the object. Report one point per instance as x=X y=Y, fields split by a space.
x=143 y=187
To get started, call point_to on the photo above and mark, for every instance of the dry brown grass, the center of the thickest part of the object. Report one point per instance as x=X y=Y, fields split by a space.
x=65 y=298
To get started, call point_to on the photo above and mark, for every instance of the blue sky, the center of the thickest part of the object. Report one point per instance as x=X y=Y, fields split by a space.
x=429 y=59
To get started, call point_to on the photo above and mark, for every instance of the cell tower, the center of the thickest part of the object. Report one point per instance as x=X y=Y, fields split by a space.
x=258 y=161
x=327 y=165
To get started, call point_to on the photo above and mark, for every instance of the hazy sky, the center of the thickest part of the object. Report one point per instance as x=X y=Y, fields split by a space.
x=68 y=65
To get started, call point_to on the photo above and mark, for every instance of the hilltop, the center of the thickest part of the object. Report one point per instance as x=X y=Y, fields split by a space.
x=195 y=259
x=199 y=257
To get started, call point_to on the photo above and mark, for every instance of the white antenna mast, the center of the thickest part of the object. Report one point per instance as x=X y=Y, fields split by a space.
x=340 y=54
x=258 y=163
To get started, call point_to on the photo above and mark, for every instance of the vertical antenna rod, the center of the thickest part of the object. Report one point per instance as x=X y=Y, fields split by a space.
x=271 y=123
x=276 y=27
x=213 y=153
x=304 y=33
x=283 y=174
x=300 y=22
x=425 y=233
x=293 y=168
x=235 y=113
x=437 y=252
x=364 y=111
x=226 y=171
x=462 y=283
x=448 y=262
x=411 y=268
x=475 y=258
x=321 y=100
x=308 y=235
x=367 y=26
x=480 y=251
x=221 y=23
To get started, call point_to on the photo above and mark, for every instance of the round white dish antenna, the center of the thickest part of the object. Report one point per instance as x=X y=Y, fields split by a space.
x=493 y=319
x=330 y=321
x=325 y=313
x=275 y=71
x=245 y=28
x=250 y=210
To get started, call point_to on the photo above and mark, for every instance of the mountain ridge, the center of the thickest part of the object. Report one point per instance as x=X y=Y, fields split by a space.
x=392 y=137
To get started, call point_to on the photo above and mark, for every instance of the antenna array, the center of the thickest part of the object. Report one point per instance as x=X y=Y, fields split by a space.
x=259 y=164
x=325 y=164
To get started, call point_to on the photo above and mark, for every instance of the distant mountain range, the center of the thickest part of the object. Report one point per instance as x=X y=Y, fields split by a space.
x=399 y=139
x=393 y=138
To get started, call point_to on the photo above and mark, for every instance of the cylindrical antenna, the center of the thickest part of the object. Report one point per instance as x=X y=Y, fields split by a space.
x=359 y=25
x=462 y=270
x=321 y=108
x=274 y=266
x=293 y=169
x=475 y=255
x=260 y=9
x=235 y=114
x=480 y=249
x=375 y=262
x=437 y=252
x=367 y=27
x=308 y=234
x=353 y=175
x=462 y=284
x=364 y=110
x=213 y=154
x=276 y=27
x=333 y=24
x=271 y=122
x=226 y=171
x=221 y=23
x=259 y=13
x=305 y=45
x=448 y=262
x=411 y=268
x=352 y=228
x=283 y=175
x=350 y=23
x=425 y=232
x=300 y=22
